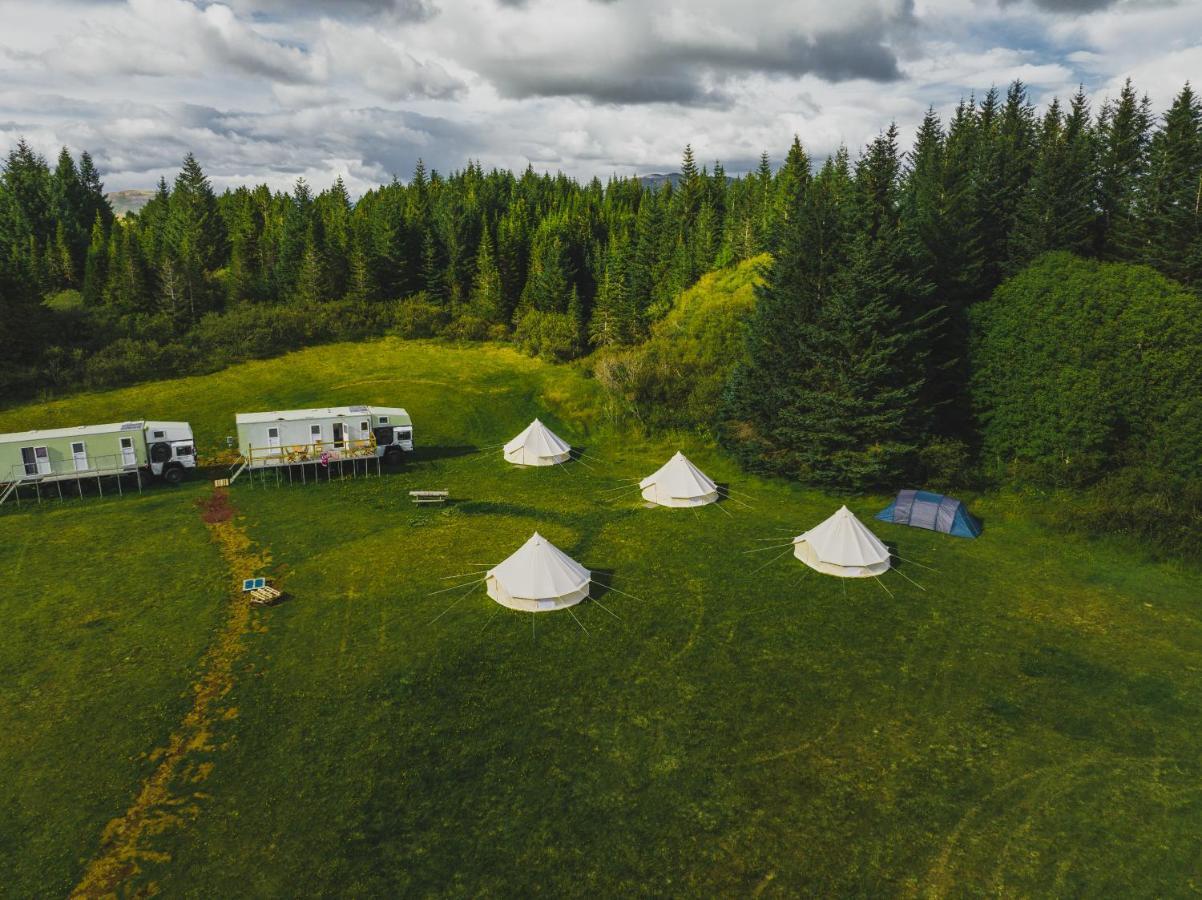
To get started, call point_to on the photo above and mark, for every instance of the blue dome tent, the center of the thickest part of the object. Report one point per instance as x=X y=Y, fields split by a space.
x=923 y=509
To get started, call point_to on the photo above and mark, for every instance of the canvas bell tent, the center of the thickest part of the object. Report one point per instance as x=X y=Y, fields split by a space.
x=538 y=445
x=299 y=436
x=538 y=577
x=936 y=512
x=52 y=456
x=842 y=546
x=679 y=483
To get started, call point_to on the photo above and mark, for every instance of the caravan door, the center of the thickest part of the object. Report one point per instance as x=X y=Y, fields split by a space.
x=128 y=456
x=42 y=455
x=79 y=454
x=273 y=438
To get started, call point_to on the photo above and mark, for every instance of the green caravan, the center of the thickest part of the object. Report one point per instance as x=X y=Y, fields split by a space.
x=50 y=455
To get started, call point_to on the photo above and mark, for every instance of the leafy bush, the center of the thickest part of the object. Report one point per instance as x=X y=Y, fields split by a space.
x=127 y=360
x=468 y=328
x=549 y=335
x=417 y=317
x=1159 y=510
x=946 y=463
x=676 y=377
x=1081 y=368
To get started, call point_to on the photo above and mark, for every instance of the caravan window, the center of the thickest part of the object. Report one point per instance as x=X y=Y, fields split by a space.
x=273 y=432
x=383 y=420
x=159 y=434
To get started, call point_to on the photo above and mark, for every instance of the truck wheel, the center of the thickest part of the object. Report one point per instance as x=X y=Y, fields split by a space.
x=393 y=457
x=173 y=475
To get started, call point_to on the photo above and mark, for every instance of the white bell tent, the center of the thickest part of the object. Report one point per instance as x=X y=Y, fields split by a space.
x=539 y=577
x=842 y=546
x=538 y=445
x=679 y=483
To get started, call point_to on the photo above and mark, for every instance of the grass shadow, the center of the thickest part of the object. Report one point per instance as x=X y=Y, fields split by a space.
x=432 y=452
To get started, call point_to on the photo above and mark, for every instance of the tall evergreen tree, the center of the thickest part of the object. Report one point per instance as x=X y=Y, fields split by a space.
x=195 y=241
x=96 y=266
x=549 y=284
x=1171 y=199
x=1057 y=211
x=1123 y=129
x=486 y=299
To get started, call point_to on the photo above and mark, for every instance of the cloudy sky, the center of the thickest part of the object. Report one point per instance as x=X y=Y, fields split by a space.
x=268 y=90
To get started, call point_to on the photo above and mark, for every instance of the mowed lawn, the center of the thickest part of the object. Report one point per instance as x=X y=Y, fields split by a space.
x=1021 y=721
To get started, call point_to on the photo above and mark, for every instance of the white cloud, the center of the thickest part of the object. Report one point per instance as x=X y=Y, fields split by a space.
x=268 y=90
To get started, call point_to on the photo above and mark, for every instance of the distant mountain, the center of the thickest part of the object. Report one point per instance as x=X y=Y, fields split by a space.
x=655 y=179
x=128 y=201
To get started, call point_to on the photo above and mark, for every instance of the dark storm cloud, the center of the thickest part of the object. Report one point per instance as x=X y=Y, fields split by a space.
x=694 y=75
x=670 y=85
x=834 y=57
x=400 y=10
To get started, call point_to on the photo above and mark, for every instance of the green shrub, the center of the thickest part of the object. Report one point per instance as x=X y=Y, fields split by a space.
x=468 y=328
x=127 y=360
x=1160 y=511
x=1081 y=368
x=417 y=317
x=549 y=335
x=675 y=379
x=946 y=463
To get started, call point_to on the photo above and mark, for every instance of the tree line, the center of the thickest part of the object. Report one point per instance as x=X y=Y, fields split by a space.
x=857 y=349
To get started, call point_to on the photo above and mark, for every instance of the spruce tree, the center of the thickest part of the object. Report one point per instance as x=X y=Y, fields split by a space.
x=614 y=319
x=486 y=300
x=1171 y=200
x=1123 y=129
x=1005 y=150
x=195 y=241
x=549 y=283
x=767 y=407
x=312 y=284
x=96 y=265
x=1057 y=210
x=831 y=389
x=939 y=212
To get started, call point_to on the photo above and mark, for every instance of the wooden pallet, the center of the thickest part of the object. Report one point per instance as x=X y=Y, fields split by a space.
x=264 y=596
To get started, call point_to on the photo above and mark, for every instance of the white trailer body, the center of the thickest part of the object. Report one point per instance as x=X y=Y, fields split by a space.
x=294 y=436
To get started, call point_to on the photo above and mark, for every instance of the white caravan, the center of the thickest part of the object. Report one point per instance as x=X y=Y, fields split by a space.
x=295 y=436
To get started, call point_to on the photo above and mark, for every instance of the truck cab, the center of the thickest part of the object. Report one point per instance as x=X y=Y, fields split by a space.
x=393 y=430
x=170 y=449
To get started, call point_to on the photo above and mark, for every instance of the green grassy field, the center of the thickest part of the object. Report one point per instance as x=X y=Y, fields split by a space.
x=1026 y=725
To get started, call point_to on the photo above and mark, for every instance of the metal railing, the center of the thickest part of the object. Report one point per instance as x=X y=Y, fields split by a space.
x=317 y=452
x=43 y=470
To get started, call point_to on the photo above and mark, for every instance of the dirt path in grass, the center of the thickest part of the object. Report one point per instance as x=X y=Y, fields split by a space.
x=170 y=797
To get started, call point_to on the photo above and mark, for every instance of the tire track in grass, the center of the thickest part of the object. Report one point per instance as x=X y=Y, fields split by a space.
x=127 y=841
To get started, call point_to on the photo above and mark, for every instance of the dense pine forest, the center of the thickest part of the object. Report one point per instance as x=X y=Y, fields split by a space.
x=899 y=292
